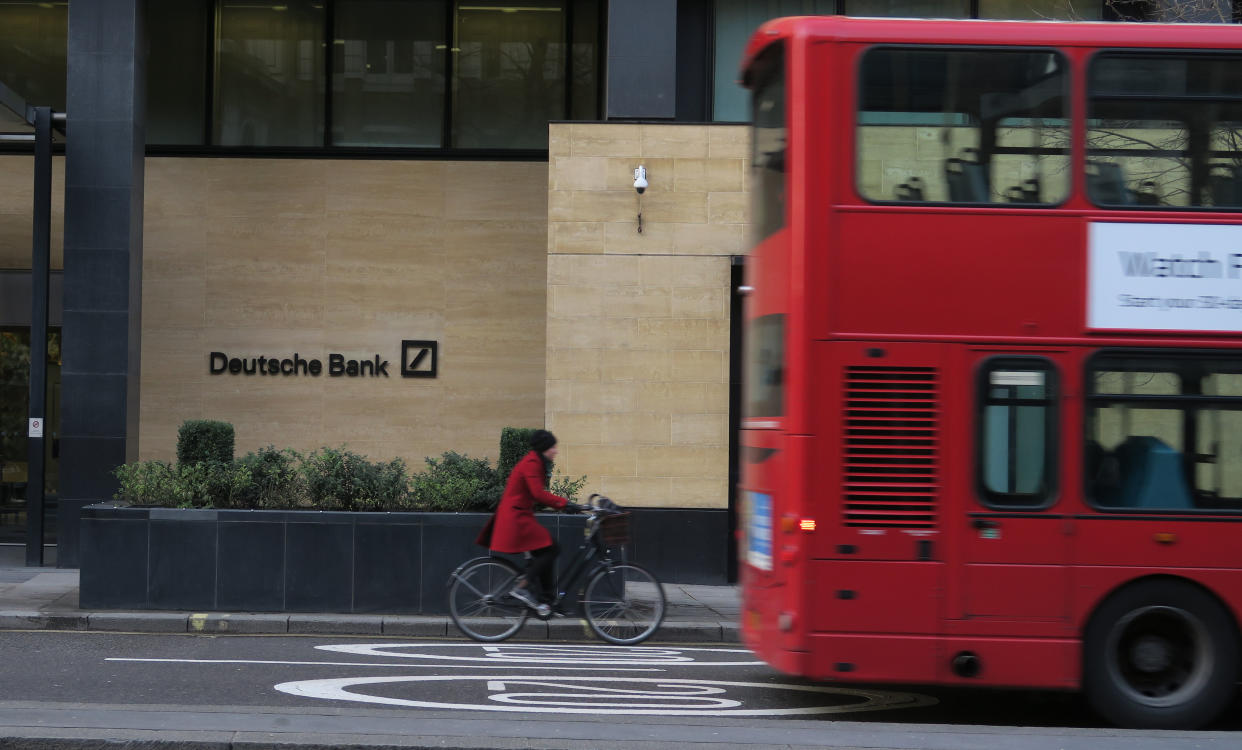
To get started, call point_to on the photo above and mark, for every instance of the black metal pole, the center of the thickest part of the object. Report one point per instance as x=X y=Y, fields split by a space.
x=39 y=269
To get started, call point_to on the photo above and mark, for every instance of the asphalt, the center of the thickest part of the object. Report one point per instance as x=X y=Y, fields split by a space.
x=46 y=598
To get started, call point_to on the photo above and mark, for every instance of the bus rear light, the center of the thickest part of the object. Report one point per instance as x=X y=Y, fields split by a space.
x=1164 y=537
x=807 y=524
x=785 y=621
x=789 y=524
x=789 y=554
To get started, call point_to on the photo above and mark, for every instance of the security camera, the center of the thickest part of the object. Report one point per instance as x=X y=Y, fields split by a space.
x=640 y=179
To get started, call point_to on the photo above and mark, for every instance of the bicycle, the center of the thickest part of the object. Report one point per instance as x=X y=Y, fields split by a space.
x=623 y=603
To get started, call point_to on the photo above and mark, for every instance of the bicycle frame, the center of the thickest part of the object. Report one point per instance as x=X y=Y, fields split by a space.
x=588 y=557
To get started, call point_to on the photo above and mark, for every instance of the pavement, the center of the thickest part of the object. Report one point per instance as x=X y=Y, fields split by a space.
x=46 y=598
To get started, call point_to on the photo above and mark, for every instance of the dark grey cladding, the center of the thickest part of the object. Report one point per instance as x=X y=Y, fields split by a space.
x=103 y=255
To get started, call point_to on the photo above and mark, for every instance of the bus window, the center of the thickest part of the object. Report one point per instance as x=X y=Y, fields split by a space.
x=769 y=143
x=1163 y=130
x=1017 y=429
x=1164 y=433
x=963 y=126
x=765 y=367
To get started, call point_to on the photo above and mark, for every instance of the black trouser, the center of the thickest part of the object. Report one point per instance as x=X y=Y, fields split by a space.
x=541 y=570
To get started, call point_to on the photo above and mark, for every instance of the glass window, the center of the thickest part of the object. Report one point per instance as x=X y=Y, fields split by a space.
x=909 y=8
x=584 y=64
x=963 y=126
x=33 y=50
x=177 y=37
x=14 y=411
x=1041 y=10
x=509 y=60
x=735 y=21
x=1017 y=429
x=765 y=366
x=768 y=142
x=388 y=72
x=1164 y=433
x=269 y=83
x=1164 y=130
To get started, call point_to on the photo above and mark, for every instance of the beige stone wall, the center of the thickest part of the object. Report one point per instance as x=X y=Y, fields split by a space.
x=274 y=256
x=17 y=210
x=638 y=324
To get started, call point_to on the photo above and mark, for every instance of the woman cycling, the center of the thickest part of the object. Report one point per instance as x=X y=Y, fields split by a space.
x=513 y=528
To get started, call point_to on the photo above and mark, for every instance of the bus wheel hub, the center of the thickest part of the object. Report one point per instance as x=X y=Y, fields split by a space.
x=1151 y=654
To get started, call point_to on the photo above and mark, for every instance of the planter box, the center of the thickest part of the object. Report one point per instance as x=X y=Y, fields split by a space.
x=320 y=561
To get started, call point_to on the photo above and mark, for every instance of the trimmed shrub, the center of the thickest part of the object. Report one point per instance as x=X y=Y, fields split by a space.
x=342 y=480
x=204 y=440
x=514 y=443
x=198 y=485
x=457 y=483
x=211 y=484
x=146 y=483
x=275 y=479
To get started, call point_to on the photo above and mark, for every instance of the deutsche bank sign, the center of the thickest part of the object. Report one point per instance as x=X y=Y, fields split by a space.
x=1164 y=277
x=418 y=360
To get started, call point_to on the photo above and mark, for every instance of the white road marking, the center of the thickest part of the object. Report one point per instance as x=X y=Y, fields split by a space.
x=688 y=696
x=550 y=654
x=663 y=691
x=404 y=665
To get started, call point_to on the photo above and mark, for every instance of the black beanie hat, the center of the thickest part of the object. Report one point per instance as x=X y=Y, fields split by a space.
x=542 y=440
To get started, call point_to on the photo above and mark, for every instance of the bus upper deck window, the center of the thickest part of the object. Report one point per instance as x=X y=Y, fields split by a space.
x=1163 y=130
x=959 y=125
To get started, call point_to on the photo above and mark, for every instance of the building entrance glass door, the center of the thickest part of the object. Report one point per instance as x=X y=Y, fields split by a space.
x=14 y=412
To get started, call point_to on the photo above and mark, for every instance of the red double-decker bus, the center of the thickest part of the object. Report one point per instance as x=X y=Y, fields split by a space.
x=992 y=427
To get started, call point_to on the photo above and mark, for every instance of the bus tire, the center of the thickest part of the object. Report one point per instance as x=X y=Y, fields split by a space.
x=1160 y=654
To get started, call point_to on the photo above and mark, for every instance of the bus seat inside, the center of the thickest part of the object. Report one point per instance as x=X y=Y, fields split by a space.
x=1027 y=192
x=910 y=190
x=1106 y=183
x=1226 y=184
x=967 y=178
x=1151 y=475
x=1103 y=474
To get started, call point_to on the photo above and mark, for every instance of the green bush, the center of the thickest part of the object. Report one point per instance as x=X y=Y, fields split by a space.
x=204 y=440
x=276 y=481
x=146 y=483
x=327 y=479
x=566 y=487
x=514 y=443
x=457 y=483
x=340 y=479
x=197 y=485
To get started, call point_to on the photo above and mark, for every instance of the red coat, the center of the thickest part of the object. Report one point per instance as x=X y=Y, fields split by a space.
x=513 y=528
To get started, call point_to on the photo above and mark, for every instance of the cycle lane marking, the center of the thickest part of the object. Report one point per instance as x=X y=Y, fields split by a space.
x=404 y=665
x=585 y=695
x=550 y=654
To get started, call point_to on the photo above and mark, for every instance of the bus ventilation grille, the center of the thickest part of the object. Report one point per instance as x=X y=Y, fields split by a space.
x=891 y=447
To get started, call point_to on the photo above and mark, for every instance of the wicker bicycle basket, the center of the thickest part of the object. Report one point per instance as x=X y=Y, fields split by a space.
x=615 y=529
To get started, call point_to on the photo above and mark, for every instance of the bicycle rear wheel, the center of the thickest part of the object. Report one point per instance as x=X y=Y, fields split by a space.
x=479 y=600
x=623 y=604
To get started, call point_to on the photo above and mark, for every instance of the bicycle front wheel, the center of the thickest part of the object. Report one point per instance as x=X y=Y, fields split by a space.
x=479 y=600
x=623 y=604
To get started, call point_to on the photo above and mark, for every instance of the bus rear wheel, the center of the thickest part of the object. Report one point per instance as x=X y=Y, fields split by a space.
x=1160 y=654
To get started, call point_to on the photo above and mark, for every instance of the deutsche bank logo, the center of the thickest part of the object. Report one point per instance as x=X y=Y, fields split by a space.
x=418 y=359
